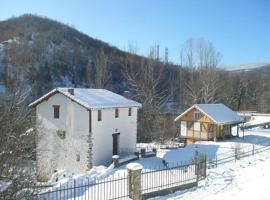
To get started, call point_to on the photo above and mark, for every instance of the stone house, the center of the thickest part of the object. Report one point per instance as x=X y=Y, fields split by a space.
x=79 y=128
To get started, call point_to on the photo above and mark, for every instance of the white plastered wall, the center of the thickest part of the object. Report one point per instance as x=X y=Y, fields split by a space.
x=103 y=130
x=55 y=153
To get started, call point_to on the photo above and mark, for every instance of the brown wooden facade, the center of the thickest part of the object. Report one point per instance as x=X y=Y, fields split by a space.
x=196 y=126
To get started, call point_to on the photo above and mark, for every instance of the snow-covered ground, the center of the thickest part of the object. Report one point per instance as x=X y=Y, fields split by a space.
x=64 y=178
x=4 y=185
x=254 y=138
x=246 y=178
x=257 y=120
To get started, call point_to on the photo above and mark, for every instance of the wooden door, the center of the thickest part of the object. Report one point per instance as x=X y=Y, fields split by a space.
x=115 y=143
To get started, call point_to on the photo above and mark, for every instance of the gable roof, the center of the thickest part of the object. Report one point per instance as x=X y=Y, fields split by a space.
x=218 y=113
x=91 y=98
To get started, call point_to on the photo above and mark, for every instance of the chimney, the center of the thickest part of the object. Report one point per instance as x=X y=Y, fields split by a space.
x=71 y=91
x=126 y=94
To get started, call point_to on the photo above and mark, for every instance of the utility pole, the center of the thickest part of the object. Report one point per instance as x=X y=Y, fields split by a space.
x=166 y=55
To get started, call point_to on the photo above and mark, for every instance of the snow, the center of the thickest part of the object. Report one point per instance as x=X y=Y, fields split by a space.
x=27 y=132
x=115 y=157
x=257 y=121
x=134 y=166
x=65 y=177
x=219 y=113
x=93 y=98
x=4 y=185
x=2 y=88
x=127 y=158
x=245 y=179
x=247 y=67
x=147 y=146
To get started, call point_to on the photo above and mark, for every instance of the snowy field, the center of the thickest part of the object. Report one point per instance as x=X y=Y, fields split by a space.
x=246 y=178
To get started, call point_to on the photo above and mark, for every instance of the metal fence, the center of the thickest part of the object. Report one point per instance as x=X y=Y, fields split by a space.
x=108 y=188
x=166 y=180
x=235 y=154
x=158 y=181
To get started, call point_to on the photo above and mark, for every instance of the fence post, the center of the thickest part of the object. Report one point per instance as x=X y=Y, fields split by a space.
x=253 y=149
x=155 y=151
x=115 y=160
x=143 y=152
x=74 y=189
x=134 y=181
x=197 y=164
x=137 y=153
x=204 y=166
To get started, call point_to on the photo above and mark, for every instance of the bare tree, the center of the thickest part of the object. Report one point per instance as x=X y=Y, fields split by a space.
x=187 y=55
x=208 y=61
x=17 y=144
x=101 y=69
x=202 y=60
x=144 y=77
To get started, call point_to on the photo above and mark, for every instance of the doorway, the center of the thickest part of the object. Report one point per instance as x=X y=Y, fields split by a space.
x=115 y=143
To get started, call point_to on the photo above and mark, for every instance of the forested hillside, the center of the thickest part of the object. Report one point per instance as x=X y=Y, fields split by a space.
x=38 y=54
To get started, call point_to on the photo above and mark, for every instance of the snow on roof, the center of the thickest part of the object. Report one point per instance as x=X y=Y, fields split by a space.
x=92 y=98
x=219 y=113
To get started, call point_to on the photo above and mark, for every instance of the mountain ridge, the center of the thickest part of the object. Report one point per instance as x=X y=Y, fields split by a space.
x=248 y=66
x=63 y=53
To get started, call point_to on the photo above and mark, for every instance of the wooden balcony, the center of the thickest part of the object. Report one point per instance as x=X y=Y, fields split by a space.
x=198 y=135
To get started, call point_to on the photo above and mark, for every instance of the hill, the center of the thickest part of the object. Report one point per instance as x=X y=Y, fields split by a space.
x=45 y=54
x=258 y=67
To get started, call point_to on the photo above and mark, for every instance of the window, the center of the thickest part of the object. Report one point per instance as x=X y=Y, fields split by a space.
x=129 y=111
x=61 y=134
x=90 y=121
x=210 y=128
x=197 y=126
x=197 y=116
x=56 y=111
x=99 y=115
x=78 y=158
x=116 y=113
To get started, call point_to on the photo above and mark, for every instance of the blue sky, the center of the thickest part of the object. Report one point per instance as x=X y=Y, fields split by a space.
x=239 y=29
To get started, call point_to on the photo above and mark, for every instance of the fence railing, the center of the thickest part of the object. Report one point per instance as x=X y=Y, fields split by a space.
x=235 y=154
x=166 y=180
x=153 y=182
x=108 y=188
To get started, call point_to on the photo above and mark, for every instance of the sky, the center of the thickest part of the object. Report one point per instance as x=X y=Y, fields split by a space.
x=238 y=29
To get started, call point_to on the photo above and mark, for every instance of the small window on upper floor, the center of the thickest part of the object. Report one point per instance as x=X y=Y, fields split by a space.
x=99 y=115
x=56 y=111
x=197 y=116
x=78 y=158
x=129 y=111
x=116 y=113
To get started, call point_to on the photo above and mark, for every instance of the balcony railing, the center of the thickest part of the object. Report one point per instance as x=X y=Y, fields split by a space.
x=198 y=135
